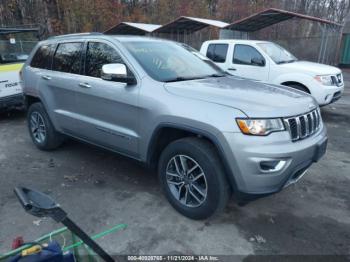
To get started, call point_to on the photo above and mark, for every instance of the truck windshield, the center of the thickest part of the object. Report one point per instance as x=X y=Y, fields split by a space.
x=7 y=58
x=170 y=62
x=277 y=53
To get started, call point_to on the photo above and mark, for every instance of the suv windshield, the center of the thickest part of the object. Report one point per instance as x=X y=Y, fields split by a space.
x=169 y=62
x=277 y=53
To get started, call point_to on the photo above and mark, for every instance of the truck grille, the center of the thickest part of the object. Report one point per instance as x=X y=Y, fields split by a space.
x=303 y=126
x=337 y=80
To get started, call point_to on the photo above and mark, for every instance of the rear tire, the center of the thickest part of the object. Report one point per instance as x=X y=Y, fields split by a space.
x=208 y=193
x=41 y=129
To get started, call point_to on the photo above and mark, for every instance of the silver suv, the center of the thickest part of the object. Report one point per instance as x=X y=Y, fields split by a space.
x=208 y=134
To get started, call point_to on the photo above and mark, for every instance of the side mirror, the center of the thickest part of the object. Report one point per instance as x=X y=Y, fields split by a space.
x=117 y=73
x=258 y=61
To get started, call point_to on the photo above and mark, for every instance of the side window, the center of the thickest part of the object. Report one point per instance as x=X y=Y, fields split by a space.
x=68 y=58
x=42 y=57
x=97 y=55
x=246 y=55
x=217 y=52
x=210 y=51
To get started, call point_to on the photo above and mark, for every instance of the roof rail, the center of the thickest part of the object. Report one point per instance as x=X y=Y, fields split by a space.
x=77 y=34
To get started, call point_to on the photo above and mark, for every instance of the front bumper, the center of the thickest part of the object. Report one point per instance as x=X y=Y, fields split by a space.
x=326 y=95
x=11 y=101
x=246 y=153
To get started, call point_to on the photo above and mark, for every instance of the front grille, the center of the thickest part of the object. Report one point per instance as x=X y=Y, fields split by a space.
x=303 y=126
x=337 y=80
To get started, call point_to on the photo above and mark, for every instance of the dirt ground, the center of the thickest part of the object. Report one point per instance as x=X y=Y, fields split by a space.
x=100 y=189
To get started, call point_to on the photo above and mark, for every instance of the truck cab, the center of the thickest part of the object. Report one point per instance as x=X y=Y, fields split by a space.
x=269 y=62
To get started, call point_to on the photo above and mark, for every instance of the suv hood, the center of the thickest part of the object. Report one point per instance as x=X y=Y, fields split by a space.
x=311 y=68
x=255 y=99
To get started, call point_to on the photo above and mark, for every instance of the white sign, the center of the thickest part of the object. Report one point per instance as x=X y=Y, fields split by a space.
x=13 y=41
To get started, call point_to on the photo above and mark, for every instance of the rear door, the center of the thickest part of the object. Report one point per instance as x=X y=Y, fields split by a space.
x=35 y=74
x=243 y=65
x=218 y=54
x=62 y=83
x=108 y=110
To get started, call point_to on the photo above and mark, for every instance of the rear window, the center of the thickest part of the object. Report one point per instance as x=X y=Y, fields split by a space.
x=217 y=52
x=42 y=57
x=67 y=58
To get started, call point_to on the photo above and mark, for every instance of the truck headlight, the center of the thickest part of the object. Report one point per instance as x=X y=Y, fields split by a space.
x=259 y=127
x=325 y=80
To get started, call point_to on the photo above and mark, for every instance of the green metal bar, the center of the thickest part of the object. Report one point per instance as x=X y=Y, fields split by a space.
x=60 y=231
x=47 y=236
x=102 y=234
x=91 y=254
x=52 y=234
x=75 y=250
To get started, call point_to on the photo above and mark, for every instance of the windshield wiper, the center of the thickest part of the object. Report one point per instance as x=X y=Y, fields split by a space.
x=180 y=78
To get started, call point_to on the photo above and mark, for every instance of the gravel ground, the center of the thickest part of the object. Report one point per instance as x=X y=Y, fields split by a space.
x=100 y=189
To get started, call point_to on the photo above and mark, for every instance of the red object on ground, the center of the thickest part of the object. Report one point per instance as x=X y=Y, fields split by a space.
x=17 y=242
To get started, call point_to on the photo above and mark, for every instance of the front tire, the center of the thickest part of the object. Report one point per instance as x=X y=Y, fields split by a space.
x=41 y=129
x=193 y=179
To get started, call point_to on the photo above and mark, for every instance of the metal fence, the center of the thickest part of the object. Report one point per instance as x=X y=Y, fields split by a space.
x=311 y=48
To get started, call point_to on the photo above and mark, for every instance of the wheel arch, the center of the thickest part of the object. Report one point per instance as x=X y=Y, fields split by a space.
x=296 y=83
x=29 y=100
x=166 y=133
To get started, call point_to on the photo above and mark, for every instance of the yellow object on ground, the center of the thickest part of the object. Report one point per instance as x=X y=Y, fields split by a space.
x=31 y=250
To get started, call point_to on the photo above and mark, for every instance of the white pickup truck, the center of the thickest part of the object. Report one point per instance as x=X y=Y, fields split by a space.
x=271 y=63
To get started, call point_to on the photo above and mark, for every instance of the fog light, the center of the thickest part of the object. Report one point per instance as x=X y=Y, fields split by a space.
x=272 y=166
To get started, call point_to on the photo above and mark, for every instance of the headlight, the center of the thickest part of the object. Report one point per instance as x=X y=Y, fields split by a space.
x=260 y=127
x=325 y=80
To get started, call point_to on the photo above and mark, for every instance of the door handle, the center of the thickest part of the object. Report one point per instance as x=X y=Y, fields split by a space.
x=232 y=69
x=84 y=85
x=46 y=77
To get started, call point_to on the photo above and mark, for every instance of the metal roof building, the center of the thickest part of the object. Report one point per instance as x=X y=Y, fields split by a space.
x=322 y=49
x=18 y=29
x=128 y=28
x=270 y=17
x=186 y=24
x=181 y=29
x=190 y=30
x=194 y=30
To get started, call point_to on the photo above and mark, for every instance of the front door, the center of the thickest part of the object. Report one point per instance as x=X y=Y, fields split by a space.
x=244 y=63
x=108 y=110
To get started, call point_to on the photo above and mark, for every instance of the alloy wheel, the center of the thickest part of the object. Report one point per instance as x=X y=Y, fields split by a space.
x=37 y=127
x=186 y=181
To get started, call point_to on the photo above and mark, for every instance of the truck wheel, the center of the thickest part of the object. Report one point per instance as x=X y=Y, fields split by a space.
x=41 y=129
x=193 y=179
